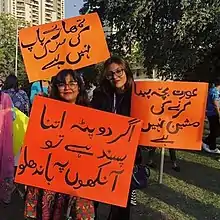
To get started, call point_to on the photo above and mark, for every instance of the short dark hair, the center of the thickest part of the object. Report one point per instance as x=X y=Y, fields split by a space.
x=120 y=61
x=82 y=98
x=11 y=82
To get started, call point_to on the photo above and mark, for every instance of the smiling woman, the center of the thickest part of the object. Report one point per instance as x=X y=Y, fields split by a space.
x=66 y=86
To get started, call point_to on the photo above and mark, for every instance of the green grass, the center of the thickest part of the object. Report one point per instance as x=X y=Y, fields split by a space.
x=194 y=193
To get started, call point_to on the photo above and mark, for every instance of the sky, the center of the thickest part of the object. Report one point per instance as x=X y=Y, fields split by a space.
x=72 y=7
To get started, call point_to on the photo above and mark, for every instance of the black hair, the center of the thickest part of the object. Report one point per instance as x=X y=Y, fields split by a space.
x=217 y=82
x=106 y=84
x=82 y=98
x=11 y=82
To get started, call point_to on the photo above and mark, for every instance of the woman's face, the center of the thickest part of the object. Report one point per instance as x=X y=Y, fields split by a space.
x=69 y=90
x=116 y=75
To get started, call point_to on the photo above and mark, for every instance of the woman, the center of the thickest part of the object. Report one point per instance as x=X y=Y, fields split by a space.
x=6 y=148
x=67 y=86
x=39 y=88
x=19 y=97
x=114 y=95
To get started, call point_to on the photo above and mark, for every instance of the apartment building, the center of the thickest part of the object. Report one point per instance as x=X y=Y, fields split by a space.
x=34 y=11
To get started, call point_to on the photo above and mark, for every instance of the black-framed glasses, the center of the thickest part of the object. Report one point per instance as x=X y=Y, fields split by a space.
x=118 y=73
x=71 y=85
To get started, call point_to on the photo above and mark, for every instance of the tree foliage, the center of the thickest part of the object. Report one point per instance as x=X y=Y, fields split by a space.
x=8 y=37
x=175 y=36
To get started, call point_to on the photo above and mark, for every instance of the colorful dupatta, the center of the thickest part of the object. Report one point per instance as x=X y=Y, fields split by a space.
x=6 y=146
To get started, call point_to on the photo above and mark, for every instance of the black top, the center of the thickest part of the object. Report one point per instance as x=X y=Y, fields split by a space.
x=105 y=102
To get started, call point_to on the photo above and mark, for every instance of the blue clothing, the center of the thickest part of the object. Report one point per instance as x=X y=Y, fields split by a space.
x=19 y=99
x=213 y=95
x=36 y=89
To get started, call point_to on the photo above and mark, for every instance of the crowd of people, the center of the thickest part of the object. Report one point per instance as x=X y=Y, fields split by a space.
x=112 y=95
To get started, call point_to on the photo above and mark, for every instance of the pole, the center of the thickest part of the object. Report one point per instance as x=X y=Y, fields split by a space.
x=160 y=180
x=16 y=50
x=87 y=12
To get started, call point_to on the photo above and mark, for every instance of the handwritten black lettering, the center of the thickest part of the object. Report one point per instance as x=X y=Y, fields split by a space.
x=29 y=46
x=88 y=183
x=54 y=28
x=102 y=131
x=112 y=158
x=39 y=38
x=56 y=36
x=71 y=44
x=154 y=126
x=81 y=22
x=182 y=110
x=131 y=123
x=73 y=29
x=90 y=130
x=118 y=173
x=162 y=108
x=141 y=93
x=164 y=93
x=61 y=166
x=47 y=177
x=57 y=46
x=45 y=51
x=186 y=94
x=80 y=55
x=54 y=62
x=27 y=163
x=56 y=123
x=172 y=128
x=49 y=143
x=163 y=139
x=72 y=148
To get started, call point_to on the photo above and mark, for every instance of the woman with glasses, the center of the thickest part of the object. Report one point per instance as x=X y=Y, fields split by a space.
x=67 y=86
x=114 y=95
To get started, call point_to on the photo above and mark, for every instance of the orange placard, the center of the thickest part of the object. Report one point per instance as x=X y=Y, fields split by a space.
x=71 y=43
x=173 y=113
x=79 y=151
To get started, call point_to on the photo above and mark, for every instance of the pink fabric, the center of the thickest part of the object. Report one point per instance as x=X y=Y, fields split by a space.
x=6 y=142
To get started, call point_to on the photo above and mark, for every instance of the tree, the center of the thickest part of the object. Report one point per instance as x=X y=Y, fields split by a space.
x=175 y=36
x=8 y=37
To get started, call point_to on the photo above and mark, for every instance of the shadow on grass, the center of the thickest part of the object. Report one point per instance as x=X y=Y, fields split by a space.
x=187 y=205
x=139 y=212
x=197 y=174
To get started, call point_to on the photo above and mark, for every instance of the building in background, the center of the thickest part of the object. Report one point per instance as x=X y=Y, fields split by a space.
x=34 y=12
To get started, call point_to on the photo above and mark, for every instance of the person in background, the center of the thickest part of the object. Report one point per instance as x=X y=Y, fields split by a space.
x=6 y=148
x=173 y=159
x=39 y=88
x=68 y=87
x=19 y=97
x=114 y=95
x=213 y=115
